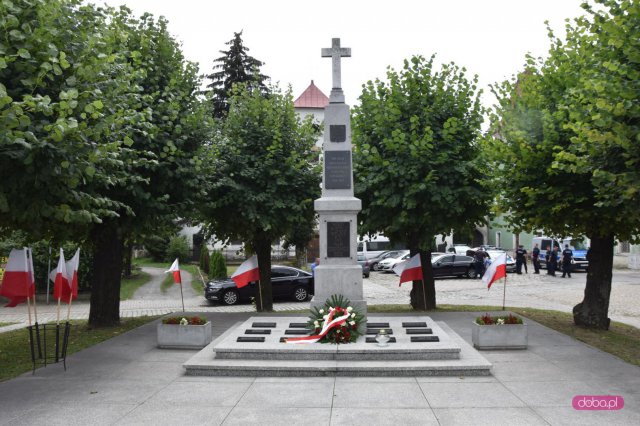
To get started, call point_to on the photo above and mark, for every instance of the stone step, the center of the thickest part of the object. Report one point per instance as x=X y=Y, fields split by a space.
x=469 y=363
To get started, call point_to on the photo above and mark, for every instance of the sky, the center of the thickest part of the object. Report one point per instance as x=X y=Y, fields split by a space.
x=488 y=37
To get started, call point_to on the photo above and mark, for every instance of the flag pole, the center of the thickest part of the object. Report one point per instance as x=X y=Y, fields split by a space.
x=504 y=292
x=58 y=313
x=181 y=295
x=69 y=306
x=29 y=309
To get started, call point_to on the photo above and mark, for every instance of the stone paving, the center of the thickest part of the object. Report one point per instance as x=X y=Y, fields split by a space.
x=128 y=381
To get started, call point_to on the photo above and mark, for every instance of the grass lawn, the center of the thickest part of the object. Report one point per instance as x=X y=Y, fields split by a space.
x=15 y=355
x=4 y=324
x=128 y=286
x=621 y=340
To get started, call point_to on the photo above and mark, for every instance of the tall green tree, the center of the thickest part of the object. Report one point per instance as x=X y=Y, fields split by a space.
x=234 y=67
x=567 y=155
x=415 y=160
x=262 y=176
x=58 y=142
x=161 y=156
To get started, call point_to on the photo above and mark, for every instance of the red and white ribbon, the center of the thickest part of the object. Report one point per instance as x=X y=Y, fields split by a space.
x=328 y=325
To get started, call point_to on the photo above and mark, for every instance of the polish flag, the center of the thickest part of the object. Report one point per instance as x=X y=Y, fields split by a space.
x=175 y=268
x=409 y=270
x=247 y=272
x=495 y=271
x=72 y=271
x=61 y=289
x=16 y=281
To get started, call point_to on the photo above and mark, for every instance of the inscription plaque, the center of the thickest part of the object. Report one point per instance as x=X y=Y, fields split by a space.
x=337 y=132
x=338 y=239
x=373 y=340
x=337 y=169
x=417 y=339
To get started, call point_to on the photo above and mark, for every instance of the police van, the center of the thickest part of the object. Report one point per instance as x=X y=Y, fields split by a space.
x=578 y=246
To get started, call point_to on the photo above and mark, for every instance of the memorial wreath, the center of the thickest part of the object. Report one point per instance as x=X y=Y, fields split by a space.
x=336 y=322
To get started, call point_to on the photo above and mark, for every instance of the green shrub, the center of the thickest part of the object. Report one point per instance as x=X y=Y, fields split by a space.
x=204 y=259
x=217 y=266
x=178 y=248
x=156 y=246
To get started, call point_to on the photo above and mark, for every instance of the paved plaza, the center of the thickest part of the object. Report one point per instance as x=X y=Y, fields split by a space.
x=128 y=381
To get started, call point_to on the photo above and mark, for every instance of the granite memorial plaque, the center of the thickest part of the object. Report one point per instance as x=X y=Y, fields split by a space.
x=252 y=331
x=418 y=339
x=419 y=331
x=337 y=133
x=297 y=325
x=338 y=239
x=250 y=339
x=414 y=324
x=337 y=169
x=377 y=325
x=264 y=325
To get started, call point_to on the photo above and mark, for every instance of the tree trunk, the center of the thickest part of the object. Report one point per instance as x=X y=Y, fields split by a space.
x=301 y=256
x=107 y=271
x=264 y=299
x=423 y=293
x=593 y=311
x=128 y=259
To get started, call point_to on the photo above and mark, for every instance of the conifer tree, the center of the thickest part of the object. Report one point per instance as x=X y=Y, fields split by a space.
x=235 y=66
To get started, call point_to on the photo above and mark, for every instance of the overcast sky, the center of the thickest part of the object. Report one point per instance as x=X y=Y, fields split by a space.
x=488 y=37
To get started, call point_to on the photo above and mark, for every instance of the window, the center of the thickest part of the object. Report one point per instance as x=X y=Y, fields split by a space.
x=283 y=272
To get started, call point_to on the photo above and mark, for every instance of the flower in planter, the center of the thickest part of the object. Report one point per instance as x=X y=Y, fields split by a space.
x=195 y=320
x=487 y=319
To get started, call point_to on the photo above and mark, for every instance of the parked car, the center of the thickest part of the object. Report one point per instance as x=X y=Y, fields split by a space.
x=454 y=265
x=373 y=263
x=286 y=283
x=511 y=263
x=459 y=249
x=362 y=261
x=388 y=263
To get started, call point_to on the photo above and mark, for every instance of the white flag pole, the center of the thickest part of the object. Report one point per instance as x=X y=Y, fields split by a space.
x=181 y=294
x=69 y=306
x=504 y=292
x=58 y=313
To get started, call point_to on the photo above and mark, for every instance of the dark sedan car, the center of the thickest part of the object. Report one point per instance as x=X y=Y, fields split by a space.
x=286 y=283
x=453 y=265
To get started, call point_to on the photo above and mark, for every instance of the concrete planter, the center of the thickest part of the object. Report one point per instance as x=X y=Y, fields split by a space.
x=506 y=336
x=184 y=336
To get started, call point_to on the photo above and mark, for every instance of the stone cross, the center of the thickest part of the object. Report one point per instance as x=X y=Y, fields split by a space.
x=336 y=52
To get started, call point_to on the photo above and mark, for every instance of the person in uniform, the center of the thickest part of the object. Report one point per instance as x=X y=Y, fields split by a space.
x=567 y=257
x=552 y=261
x=478 y=262
x=520 y=259
x=535 y=259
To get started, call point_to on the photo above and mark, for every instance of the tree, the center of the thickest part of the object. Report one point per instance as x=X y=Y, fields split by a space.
x=217 y=266
x=568 y=130
x=262 y=177
x=161 y=157
x=204 y=258
x=235 y=66
x=56 y=75
x=415 y=160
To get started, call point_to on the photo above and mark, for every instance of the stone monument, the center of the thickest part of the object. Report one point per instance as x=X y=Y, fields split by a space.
x=338 y=272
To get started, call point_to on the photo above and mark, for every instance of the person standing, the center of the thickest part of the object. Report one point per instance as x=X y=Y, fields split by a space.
x=478 y=262
x=520 y=259
x=535 y=259
x=567 y=257
x=552 y=261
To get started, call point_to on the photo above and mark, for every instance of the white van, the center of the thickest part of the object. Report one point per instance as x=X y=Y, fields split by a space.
x=373 y=247
x=579 y=248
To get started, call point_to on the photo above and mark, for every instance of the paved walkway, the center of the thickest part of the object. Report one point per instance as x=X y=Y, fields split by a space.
x=128 y=381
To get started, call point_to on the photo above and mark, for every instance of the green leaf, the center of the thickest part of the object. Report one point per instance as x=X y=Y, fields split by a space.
x=24 y=53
